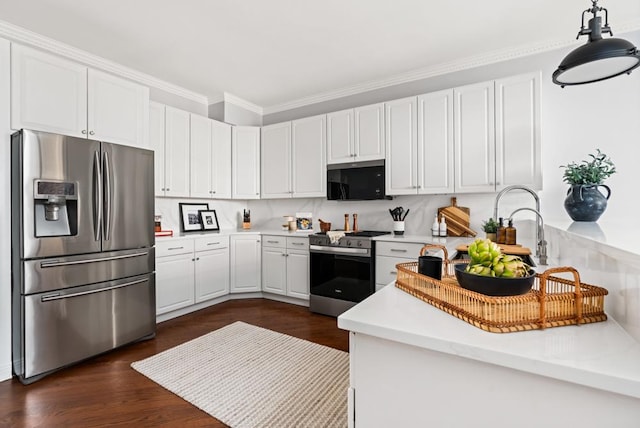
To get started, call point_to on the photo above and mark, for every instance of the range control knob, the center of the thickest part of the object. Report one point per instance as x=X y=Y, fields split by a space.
x=359 y=243
x=348 y=243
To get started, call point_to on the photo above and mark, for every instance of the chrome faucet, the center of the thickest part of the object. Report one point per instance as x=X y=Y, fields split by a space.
x=542 y=244
x=539 y=222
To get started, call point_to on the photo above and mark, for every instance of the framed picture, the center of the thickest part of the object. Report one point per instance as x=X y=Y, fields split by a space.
x=209 y=220
x=190 y=216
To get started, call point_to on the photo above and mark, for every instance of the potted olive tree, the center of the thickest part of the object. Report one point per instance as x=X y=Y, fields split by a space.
x=584 y=201
x=490 y=227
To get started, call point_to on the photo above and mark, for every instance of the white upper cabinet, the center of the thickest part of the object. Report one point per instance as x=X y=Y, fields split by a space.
x=157 y=144
x=176 y=169
x=221 y=164
x=294 y=159
x=246 y=162
x=518 y=157
x=435 y=143
x=474 y=131
x=201 y=152
x=369 y=132
x=340 y=130
x=308 y=157
x=276 y=161
x=402 y=146
x=118 y=109
x=52 y=94
x=356 y=134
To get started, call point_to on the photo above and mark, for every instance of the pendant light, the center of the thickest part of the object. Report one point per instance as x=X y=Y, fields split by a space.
x=600 y=58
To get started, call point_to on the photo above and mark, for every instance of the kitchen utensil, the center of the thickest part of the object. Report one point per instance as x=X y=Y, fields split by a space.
x=405 y=214
x=457 y=219
x=324 y=226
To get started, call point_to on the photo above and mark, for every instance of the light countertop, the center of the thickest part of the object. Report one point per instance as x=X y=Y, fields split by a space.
x=599 y=355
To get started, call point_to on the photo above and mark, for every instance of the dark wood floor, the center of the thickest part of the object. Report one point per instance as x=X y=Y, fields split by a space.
x=106 y=391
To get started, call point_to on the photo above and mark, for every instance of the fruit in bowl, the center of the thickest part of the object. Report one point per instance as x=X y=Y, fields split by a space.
x=492 y=273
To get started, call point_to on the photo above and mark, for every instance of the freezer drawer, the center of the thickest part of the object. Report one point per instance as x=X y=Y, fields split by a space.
x=62 y=327
x=72 y=271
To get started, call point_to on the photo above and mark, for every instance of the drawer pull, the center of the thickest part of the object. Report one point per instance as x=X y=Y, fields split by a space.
x=175 y=248
x=273 y=242
x=213 y=243
x=298 y=243
x=398 y=250
x=393 y=272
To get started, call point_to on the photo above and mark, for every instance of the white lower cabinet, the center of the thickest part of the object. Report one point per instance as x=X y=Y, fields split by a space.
x=389 y=254
x=245 y=261
x=190 y=271
x=285 y=266
x=211 y=268
x=174 y=275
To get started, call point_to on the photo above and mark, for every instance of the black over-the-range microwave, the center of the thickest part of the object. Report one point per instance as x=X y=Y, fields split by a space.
x=356 y=181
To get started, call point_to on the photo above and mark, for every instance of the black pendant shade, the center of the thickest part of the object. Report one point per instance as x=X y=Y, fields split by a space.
x=600 y=58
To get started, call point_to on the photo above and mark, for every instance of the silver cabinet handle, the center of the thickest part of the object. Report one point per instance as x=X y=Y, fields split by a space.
x=175 y=248
x=84 y=131
x=393 y=272
x=59 y=296
x=213 y=243
x=297 y=243
x=91 y=133
x=398 y=250
x=273 y=242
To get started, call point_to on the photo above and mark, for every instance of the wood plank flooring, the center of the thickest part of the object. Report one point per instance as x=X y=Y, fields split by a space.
x=106 y=391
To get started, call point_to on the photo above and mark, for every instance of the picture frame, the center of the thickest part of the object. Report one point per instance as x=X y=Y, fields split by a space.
x=209 y=220
x=190 y=216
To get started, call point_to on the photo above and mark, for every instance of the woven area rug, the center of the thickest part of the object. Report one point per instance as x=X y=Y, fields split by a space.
x=248 y=376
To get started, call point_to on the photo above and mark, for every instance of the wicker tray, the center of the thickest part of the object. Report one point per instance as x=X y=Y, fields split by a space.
x=552 y=302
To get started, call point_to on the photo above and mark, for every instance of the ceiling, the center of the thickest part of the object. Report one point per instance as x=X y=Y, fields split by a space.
x=276 y=53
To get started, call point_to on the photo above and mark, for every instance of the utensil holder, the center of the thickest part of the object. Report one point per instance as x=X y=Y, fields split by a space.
x=398 y=227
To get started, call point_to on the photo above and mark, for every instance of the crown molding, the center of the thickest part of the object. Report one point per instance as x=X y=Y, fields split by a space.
x=30 y=38
x=243 y=103
x=215 y=99
x=437 y=70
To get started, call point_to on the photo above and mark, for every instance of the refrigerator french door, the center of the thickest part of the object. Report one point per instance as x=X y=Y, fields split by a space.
x=83 y=260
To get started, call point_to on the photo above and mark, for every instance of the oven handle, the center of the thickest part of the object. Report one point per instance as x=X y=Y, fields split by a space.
x=339 y=250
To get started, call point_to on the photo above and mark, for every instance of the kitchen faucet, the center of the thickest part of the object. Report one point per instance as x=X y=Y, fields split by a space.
x=542 y=244
x=539 y=222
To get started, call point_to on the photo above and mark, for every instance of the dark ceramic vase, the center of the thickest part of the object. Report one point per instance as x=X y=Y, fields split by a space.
x=585 y=202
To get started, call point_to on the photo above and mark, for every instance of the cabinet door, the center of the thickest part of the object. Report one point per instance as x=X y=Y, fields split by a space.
x=156 y=143
x=118 y=110
x=201 y=152
x=276 y=161
x=309 y=157
x=174 y=283
x=518 y=154
x=246 y=162
x=274 y=270
x=48 y=93
x=245 y=263
x=402 y=146
x=474 y=130
x=369 y=132
x=211 y=274
x=221 y=174
x=435 y=142
x=176 y=178
x=298 y=274
x=340 y=128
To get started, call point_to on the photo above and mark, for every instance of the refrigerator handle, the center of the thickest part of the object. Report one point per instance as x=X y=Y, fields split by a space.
x=97 y=196
x=107 y=197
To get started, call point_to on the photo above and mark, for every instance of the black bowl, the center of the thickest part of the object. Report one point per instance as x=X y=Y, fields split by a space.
x=492 y=286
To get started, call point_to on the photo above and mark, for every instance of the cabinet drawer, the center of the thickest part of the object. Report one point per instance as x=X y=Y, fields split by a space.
x=212 y=243
x=298 y=243
x=403 y=249
x=386 y=268
x=173 y=247
x=274 y=241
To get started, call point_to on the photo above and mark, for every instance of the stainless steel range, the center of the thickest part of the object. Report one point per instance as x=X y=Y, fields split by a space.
x=342 y=273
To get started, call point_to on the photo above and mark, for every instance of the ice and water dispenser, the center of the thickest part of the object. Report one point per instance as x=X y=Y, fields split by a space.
x=56 y=208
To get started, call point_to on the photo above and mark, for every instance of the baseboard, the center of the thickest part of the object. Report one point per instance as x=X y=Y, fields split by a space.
x=6 y=371
x=233 y=296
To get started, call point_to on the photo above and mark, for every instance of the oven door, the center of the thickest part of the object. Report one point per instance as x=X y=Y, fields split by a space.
x=342 y=273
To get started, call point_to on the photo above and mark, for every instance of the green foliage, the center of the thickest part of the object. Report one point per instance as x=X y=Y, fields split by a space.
x=490 y=226
x=593 y=171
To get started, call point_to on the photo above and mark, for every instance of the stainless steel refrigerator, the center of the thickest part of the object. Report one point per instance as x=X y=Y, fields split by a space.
x=83 y=260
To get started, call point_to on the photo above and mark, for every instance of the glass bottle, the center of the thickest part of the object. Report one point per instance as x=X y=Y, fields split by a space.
x=501 y=234
x=510 y=234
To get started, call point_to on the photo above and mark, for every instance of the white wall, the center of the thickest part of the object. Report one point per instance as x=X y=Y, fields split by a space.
x=5 y=215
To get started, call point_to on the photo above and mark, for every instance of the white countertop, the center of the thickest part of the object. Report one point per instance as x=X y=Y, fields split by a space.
x=599 y=355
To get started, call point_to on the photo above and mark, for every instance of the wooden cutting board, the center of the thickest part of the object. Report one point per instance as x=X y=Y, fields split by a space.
x=515 y=250
x=457 y=219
